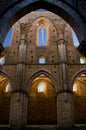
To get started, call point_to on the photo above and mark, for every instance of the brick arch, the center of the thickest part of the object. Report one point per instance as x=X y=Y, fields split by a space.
x=8 y=77
x=79 y=99
x=5 y=99
x=38 y=73
x=78 y=73
x=15 y=10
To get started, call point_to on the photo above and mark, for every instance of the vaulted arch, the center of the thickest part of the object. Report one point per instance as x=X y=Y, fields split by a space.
x=18 y=9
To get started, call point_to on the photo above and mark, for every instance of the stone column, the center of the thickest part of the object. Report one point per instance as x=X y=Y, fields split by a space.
x=18 y=112
x=21 y=63
x=65 y=109
x=64 y=95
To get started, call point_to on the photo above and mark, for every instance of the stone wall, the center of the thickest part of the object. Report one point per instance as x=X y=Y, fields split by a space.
x=22 y=63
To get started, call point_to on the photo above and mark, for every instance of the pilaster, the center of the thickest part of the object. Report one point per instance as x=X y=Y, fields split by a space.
x=64 y=95
x=18 y=112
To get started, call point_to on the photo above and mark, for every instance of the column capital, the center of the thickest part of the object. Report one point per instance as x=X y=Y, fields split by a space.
x=61 y=41
x=20 y=91
x=64 y=91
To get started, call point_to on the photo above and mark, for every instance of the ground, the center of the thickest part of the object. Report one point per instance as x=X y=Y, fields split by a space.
x=44 y=128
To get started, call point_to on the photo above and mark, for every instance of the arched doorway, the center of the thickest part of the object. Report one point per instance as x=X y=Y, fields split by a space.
x=5 y=97
x=79 y=98
x=42 y=107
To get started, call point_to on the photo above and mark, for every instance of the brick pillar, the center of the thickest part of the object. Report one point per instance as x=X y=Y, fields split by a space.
x=65 y=109
x=18 y=110
x=64 y=97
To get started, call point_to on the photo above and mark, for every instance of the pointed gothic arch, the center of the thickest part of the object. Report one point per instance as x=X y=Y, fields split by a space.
x=78 y=73
x=79 y=96
x=38 y=73
x=5 y=74
x=41 y=33
x=41 y=97
x=5 y=98
x=58 y=7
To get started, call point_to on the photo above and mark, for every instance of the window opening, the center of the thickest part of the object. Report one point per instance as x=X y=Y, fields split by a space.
x=41 y=87
x=8 y=88
x=42 y=38
x=2 y=61
x=42 y=60
x=82 y=60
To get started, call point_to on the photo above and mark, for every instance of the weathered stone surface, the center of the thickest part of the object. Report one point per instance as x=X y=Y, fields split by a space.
x=18 y=110
x=62 y=66
x=65 y=106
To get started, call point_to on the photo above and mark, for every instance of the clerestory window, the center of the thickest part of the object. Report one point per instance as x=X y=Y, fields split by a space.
x=2 y=61
x=42 y=60
x=42 y=36
x=82 y=60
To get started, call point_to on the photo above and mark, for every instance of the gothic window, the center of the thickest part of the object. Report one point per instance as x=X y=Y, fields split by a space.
x=74 y=87
x=8 y=88
x=41 y=87
x=42 y=60
x=82 y=60
x=2 y=61
x=42 y=36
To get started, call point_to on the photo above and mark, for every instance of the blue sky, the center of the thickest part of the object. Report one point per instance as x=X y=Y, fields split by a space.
x=7 y=40
x=75 y=40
